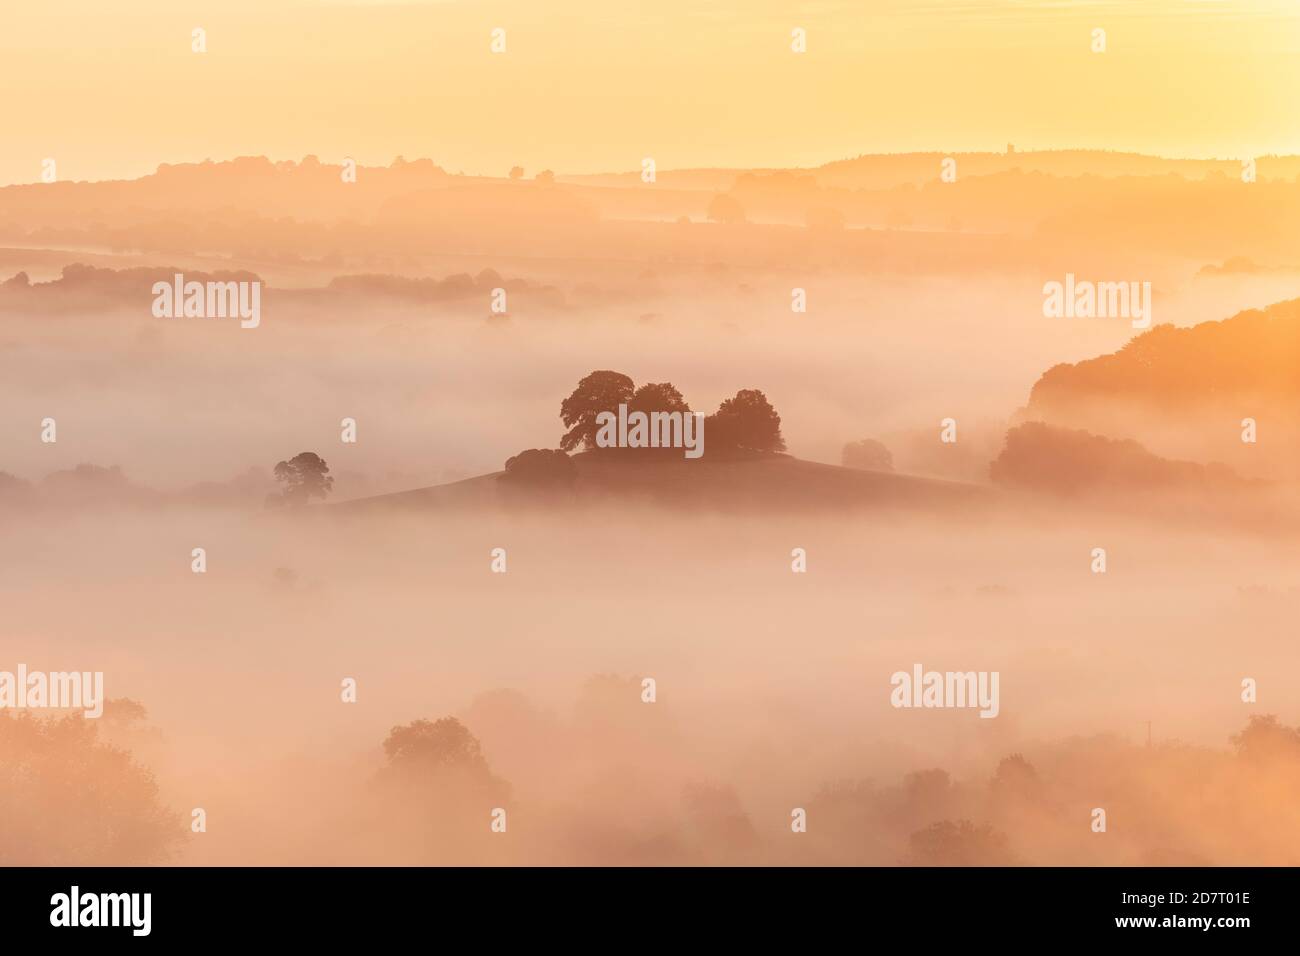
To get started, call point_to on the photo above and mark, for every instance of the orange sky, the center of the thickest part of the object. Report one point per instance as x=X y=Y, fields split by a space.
x=112 y=89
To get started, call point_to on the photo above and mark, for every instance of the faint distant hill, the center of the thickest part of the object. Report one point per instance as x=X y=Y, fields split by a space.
x=1187 y=391
x=1067 y=202
x=1253 y=356
x=1213 y=217
x=87 y=287
x=96 y=488
x=82 y=287
x=893 y=169
x=887 y=170
x=757 y=483
x=274 y=188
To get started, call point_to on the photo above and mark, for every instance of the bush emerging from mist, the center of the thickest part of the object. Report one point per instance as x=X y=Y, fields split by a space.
x=541 y=468
x=435 y=795
x=867 y=454
x=69 y=799
x=442 y=756
x=1068 y=461
x=1265 y=740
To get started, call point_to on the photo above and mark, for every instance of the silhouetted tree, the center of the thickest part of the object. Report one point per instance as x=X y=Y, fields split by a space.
x=1069 y=461
x=868 y=454
x=442 y=752
x=516 y=172
x=657 y=397
x=437 y=783
x=598 y=392
x=747 y=422
x=540 y=467
x=1266 y=738
x=545 y=177
x=305 y=476
x=439 y=744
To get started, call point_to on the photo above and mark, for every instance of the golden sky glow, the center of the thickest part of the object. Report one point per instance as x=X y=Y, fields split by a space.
x=111 y=90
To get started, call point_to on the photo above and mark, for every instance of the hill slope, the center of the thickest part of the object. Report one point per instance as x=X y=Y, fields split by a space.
x=770 y=482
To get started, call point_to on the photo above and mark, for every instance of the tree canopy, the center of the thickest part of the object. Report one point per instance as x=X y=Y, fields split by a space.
x=305 y=476
x=601 y=391
x=745 y=422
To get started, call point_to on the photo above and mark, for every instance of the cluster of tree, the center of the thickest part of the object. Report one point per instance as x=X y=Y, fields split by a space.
x=1250 y=357
x=1067 y=461
x=746 y=422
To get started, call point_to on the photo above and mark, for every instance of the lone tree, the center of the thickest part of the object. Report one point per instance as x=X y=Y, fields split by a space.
x=305 y=476
x=434 y=791
x=868 y=454
x=747 y=422
x=443 y=743
x=442 y=753
x=601 y=391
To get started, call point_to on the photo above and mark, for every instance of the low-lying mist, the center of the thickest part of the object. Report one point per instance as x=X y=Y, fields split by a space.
x=772 y=689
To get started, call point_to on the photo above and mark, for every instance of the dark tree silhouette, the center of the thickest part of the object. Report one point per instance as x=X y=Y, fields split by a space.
x=436 y=791
x=1068 y=461
x=601 y=391
x=441 y=754
x=657 y=397
x=305 y=476
x=747 y=422
x=542 y=467
x=443 y=743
